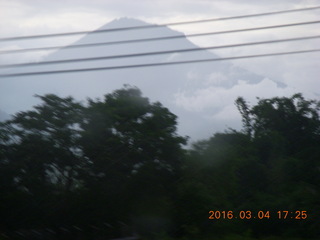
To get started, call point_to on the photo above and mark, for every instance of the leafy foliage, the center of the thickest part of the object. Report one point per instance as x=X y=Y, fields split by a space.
x=116 y=166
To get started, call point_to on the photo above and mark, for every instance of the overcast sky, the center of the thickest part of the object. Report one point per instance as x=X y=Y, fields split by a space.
x=300 y=73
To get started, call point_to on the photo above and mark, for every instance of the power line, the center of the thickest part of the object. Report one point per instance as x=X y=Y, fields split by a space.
x=155 y=53
x=160 y=38
x=156 y=25
x=153 y=64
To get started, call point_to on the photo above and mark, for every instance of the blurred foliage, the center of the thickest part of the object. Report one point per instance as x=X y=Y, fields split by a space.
x=117 y=167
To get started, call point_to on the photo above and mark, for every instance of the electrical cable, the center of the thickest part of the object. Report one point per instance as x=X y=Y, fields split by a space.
x=152 y=64
x=160 y=38
x=155 y=53
x=156 y=25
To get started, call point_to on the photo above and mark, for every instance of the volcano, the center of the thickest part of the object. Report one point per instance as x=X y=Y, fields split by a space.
x=197 y=93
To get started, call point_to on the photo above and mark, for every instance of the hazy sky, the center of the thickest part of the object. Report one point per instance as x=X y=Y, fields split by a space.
x=27 y=17
x=300 y=73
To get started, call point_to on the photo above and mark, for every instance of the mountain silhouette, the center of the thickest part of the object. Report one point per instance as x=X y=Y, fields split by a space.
x=162 y=84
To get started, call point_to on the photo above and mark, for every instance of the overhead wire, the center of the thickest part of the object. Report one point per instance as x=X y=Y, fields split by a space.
x=169 y=63
x=156 y=52
x=155 y=25
x=154 y=64
x=160 y=38
x=160 y=52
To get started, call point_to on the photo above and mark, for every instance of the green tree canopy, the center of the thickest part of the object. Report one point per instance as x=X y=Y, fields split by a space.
x=103 y=157
x=113 y=166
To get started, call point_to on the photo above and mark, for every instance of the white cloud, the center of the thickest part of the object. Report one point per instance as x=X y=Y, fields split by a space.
x=216 y=79
x=228 y=113
x=221 y=99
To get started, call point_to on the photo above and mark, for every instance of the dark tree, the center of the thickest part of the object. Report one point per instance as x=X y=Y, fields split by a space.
x=107 y=163
x=135 y=155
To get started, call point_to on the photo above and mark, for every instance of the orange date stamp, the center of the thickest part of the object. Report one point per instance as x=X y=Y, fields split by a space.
x=284 y=214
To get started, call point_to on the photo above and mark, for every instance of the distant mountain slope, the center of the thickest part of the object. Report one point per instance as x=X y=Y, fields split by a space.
x=162 y=84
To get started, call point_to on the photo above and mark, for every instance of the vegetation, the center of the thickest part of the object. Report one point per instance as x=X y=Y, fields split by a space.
x=117 y=167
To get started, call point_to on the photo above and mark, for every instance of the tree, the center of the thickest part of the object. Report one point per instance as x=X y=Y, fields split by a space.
x=294 y=119
x=286 y=136
x=245 y=113
x=46 y=147
x=134 y=151
x=127 y=128
x=96 y=161
x=272 y=165
x=41 y=153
